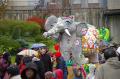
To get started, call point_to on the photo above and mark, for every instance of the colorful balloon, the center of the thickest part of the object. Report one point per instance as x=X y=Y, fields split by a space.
x=104 y=34
x=86 y=67
x=107 y=35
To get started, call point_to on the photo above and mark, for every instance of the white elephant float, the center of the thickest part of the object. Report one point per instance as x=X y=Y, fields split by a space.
x=69 y=33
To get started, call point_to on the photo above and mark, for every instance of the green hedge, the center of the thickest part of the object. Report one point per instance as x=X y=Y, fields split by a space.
x=8 y=44
x=16 y=34
x=9 y=27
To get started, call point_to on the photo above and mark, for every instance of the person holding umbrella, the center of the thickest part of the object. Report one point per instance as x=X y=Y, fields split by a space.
x=43 y=55
x=45 y=58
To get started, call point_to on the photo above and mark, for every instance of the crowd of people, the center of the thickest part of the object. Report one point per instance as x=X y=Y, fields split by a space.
x=111 y=68
x=43 y=66
x=53 y=66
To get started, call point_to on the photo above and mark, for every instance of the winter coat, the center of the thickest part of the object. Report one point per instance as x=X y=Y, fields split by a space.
x=109 y=70
x=25 y=60
x=58 y=73
x=1 y=72
x=22 y=67
x=30 y=66
x=61 y=64
x=40 y=67
x=3 y=66
x=16 y=77
x=46 y=59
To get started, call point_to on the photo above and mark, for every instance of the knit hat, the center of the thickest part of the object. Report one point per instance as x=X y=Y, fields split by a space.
x=13 y=70
x=58 y=54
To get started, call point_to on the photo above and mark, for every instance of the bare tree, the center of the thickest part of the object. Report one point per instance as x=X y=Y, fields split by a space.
x=3 y=6
x=66 y=7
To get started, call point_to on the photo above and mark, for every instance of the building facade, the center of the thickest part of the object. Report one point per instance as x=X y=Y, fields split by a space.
x=85 y=10
x=88 y=10
x=112 y=16
x=23 y=9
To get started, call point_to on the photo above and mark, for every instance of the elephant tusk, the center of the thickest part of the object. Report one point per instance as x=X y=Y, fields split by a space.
x=67 y=31
x=45 y=34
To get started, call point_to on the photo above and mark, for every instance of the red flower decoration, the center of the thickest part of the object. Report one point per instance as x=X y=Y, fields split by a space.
x=57 y=47
x=58 y=54
x=37 y=20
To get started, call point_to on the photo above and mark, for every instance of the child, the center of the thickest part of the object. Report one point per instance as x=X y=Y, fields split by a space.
x=77 y=72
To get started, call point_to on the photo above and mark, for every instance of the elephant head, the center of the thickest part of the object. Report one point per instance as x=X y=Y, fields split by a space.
x=55 y=25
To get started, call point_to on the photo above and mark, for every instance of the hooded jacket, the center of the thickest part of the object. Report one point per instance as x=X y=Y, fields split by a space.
x=61 y=64
x=58 y=73
x=109 y=70
x=40 y=67
x=46 y=59
x=30 y=66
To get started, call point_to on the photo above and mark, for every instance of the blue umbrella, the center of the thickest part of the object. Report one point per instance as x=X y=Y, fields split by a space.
x=38 y=45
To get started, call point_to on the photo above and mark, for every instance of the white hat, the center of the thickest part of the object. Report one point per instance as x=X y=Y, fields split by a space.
x=118 y=50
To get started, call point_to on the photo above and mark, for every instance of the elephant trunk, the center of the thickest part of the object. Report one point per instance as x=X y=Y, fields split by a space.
x=52 y=31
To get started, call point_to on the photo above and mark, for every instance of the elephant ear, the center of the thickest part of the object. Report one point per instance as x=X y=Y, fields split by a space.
x=50 y=22
x=81 y=29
